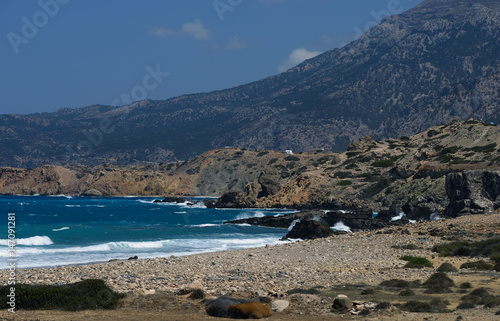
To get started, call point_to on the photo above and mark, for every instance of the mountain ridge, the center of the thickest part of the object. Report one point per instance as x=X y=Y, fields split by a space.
x=411 y=71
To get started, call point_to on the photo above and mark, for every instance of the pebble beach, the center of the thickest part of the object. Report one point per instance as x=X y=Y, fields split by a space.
x=355 y=258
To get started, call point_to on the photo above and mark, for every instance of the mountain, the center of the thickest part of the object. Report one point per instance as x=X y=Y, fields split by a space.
x=434 y=62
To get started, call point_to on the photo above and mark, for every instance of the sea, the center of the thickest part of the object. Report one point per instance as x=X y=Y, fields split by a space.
x=67 y=230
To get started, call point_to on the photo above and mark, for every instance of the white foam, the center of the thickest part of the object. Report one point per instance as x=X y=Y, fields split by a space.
x=397 y=218
x=60 y=229
x=434 y=217
x=293 y=224
x=250 y=215
x=31 y=241
x=205 y=225
x=340 y=226
x=72 y=205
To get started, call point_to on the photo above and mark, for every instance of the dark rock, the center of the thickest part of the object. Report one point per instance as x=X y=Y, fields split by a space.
x=219 y=307
x=472 y=192
x=355 y=221
x=278 y=221
x=421 y=208
x=209 y=203
x=171 y=199
x=133 y=258
x=309 y=229
x=227 y=200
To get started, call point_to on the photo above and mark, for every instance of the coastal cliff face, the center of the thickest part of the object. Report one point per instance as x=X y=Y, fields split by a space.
x=378 y=174
x=412 y=71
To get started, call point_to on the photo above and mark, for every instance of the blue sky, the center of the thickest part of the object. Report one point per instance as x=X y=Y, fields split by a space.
x=75 y=53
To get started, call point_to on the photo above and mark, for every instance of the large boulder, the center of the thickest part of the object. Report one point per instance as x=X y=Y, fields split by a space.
x=309 y=229
x=220 y=306
x=421 y=208
x=250 y=310
x=342 y=303
x=472 y=192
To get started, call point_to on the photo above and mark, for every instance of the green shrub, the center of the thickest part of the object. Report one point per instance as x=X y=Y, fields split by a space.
x=383 y=163
x=416 y=262
x=483 y=149
x=344 y=183
x=84 y=295
x=263 y=153
x=465 y=285
x=342 y=175
x=272 y=161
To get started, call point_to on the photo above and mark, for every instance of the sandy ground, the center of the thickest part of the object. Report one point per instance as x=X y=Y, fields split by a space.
x=341 y=264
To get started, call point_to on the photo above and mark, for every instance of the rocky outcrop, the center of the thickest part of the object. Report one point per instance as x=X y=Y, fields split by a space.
x=472 y=192
x=309 y=230
x=421 y=208
x=356 y=221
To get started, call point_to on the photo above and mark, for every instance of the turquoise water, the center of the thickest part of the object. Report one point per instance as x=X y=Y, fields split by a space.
x=62 y=230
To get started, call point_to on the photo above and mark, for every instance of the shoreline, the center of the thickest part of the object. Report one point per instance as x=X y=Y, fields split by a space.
x=343 y=263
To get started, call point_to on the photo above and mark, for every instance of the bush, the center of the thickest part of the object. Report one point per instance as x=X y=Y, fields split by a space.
x=368 y=292
x=466 y=305
x=438 y=283
x=436 y=305
x=416 y=262
x=395 y=283
x=263 y=153
x=479 y=266
x=406 y=247
x=478 y=296
x=465 y=285
x=383 y=163
x=84 y=295
x=407 y=292
x=447 y=267
x=344 y=183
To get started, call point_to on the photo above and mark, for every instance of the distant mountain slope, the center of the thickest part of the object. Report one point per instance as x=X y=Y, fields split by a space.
x=410 y=72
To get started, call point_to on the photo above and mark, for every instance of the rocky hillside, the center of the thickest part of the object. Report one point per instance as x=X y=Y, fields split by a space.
x=378 y=174
x=412 y=71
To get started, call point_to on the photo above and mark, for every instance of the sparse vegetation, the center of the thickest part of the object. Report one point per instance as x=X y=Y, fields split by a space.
x=435 y=305
x=292 y=158
x=85 y=295
x=439 y=282
x=383 y=163
x=447 y=267
x=344 y=183
x=416 y=262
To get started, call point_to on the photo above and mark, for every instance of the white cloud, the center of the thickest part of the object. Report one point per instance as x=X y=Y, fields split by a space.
x=194 y=29
x=296 y=57
x=235 y=43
